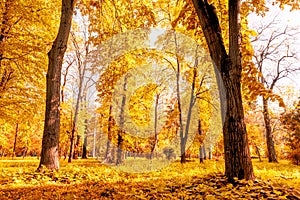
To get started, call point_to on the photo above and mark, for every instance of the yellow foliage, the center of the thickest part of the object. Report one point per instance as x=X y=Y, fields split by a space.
x=89 y=179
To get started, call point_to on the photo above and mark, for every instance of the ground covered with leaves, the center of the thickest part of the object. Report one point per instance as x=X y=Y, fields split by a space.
x=89 y=179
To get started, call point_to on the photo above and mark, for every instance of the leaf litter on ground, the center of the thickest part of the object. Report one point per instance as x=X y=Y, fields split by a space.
x=89 y=179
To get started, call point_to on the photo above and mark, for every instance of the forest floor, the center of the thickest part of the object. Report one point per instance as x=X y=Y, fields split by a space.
x=89 y=179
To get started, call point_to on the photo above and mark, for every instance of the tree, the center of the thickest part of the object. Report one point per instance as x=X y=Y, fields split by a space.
x=275 y=60
x=291 y=121
x=237 y=155
x=50 y=142
x=82 y=68
x=23 y=40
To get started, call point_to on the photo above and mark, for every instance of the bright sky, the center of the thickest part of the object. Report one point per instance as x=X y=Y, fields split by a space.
x=290 y=19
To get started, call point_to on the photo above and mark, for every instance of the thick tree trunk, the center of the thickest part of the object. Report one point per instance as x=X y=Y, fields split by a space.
x=237 y=155
x=50 y=142
x=269 y=136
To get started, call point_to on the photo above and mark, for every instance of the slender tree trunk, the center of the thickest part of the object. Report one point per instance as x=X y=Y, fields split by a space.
x=62 y=95
x=210 y=152
x=50 y=142
x=113 y=154
x=84 y=150
x=76 y=146
x=155 y=127
x=237 y=155
x=201 y=154
x=73 y=144
x=181 y=133
x=257 y=151
x=204 y=152
x=108 y=153
x=24 y=153
x=269 y=136
x=119 y=150
x=15 y=141
x=120 y=132
x=201 y=149
x=188 y=120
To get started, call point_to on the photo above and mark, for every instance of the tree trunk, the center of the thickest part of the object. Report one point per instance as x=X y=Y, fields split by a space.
x=210 y=152
x=120 y=132
x=155 y=127
x=76 y=146
x=24 y=153
x=201 y=149
x=237 y=155
x=257 y=151
x=84 y=150
x=120 y=150
x=50 y=142
x=81 y=75
x=108 y=154
x=15 y=141
x=204 y=152
x=73 y=145
x=113 y=153
x=269 y=136
x=201 y=154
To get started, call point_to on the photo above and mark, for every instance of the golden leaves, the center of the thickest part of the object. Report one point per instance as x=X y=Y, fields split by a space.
x=90 y=180
x=141 y=102
x=27 y=29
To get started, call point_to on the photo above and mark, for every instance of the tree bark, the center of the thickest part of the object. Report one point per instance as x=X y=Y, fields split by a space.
x=84 y=150
x=210 y=152
x=108 y=154
x=237 y=155
x=201 y=154
x=15 y=141
x=50 y=142
x=155 y=127
x=201 y=149
x=269 y=136
x=120 y=131
x=74 y=147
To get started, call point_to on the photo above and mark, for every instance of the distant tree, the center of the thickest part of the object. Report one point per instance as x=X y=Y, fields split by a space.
x=275 y=59
x=291 y=121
